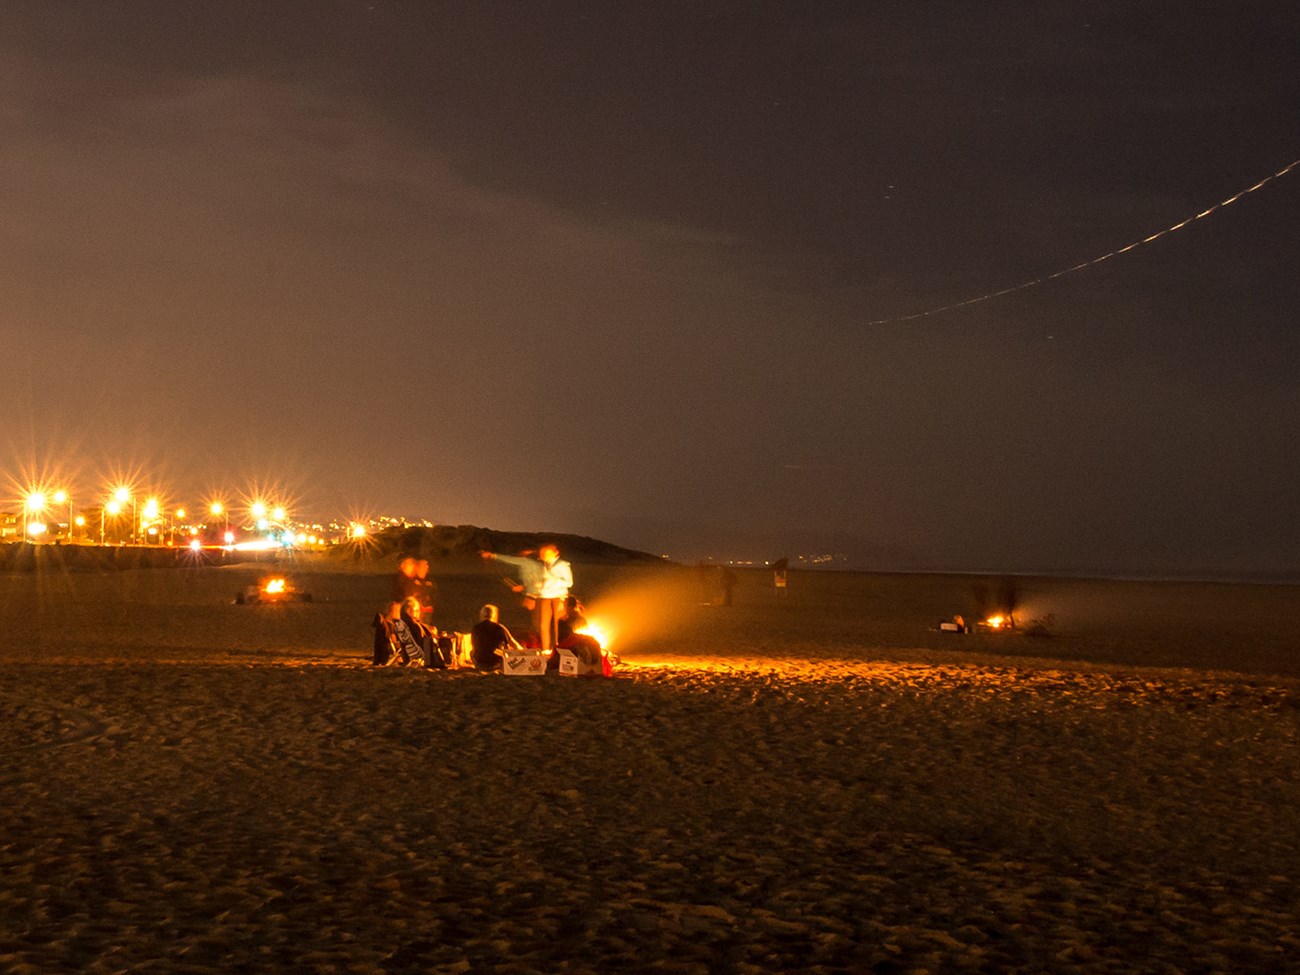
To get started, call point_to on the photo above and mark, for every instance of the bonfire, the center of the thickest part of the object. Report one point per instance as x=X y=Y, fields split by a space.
x=273 y=590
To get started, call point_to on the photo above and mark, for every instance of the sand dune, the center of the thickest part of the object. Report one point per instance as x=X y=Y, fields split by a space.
x=771 y=790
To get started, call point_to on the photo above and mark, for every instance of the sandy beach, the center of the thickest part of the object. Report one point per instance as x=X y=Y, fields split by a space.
x=816 y=782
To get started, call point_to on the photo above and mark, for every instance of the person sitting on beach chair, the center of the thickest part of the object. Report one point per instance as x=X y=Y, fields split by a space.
x=489 y=639
x=426 y=637
x=386 y=644
x=401 y=641
x=395 y=644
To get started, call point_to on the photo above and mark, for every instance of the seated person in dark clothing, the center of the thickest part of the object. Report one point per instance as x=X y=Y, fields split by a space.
x=586 y=648
x=582 y=646
x=575 y=618
x=425 y=636
x=386 y=644
x=488 y=638
x=397 y=642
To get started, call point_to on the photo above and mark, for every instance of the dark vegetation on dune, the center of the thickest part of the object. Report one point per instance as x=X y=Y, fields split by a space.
x=437 y=543
x=466 y=541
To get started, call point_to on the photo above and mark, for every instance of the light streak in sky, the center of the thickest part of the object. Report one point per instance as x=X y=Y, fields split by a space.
x=1096 y=260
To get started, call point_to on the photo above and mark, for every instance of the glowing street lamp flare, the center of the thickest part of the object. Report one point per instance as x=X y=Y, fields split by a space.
x=219 y=510
x=32 y=504
x=258 y=510
x=61 y=496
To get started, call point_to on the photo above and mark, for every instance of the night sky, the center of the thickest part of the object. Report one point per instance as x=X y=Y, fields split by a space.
x=612 y=269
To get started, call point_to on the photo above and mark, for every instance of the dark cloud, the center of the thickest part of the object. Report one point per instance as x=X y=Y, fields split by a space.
x=610 y=268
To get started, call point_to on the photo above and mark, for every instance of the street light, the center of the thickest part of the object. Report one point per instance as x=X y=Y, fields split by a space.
x=112 y=507
x=152 y=509
x=62 y=497
x=122 y=495
x=33 y=503
x=218 y=509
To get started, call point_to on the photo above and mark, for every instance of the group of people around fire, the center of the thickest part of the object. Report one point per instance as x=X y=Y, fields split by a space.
x=405 y=634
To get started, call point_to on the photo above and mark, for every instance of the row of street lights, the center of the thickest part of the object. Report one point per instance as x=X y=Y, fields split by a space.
x=37 y=502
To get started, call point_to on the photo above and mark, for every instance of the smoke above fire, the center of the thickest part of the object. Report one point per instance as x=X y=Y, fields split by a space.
x=644 y=610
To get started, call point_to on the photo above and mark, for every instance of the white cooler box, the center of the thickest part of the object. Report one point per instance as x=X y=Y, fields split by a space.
x=571 y=666
x=523 y=663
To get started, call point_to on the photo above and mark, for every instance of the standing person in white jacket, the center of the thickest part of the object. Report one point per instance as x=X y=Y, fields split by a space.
x=557 y=580
x=553 y=578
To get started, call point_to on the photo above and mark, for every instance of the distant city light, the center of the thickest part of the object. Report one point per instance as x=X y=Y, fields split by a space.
x=152 y=522
x=256 y=545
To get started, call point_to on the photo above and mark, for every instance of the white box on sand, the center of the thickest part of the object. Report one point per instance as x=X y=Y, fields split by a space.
x=572 y=666
x=523 y=663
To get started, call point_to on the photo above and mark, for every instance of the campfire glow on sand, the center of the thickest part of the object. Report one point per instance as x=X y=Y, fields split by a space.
x=274 y=586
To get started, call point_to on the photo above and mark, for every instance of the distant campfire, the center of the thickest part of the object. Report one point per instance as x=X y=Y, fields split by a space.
x=995 y=610
x=273 y=590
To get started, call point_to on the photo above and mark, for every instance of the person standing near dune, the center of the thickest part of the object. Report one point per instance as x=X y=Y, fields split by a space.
x=557 y=580
x=404 y=583
x=426 y=590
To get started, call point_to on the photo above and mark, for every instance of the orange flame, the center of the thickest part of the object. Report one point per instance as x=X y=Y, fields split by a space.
x=598 y=633
x=275 y=585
